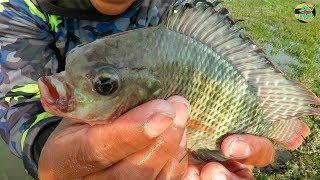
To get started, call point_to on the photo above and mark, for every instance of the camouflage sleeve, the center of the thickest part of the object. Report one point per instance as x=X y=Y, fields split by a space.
x=25 y=55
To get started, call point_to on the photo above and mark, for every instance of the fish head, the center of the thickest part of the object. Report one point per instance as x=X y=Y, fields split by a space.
x=95 y=90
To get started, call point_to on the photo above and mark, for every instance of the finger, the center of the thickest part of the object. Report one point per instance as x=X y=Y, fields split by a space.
x=147 y=163
x=241 y=170
x=234 y=166
x=196 y=162
x=177 y=165
x=93 y=148
x=245 y=174
x=249 y=149
x=192 y=173
x=216 y=171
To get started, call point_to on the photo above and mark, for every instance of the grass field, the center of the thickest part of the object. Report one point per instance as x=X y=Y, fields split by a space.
x=295 y=49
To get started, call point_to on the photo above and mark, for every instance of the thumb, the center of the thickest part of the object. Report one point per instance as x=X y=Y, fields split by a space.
x=249 y=149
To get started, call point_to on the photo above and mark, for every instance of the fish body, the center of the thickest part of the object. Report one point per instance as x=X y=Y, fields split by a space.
x=221 y=98
x=195 y=53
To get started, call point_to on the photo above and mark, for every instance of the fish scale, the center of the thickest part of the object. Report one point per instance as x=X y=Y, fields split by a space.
x=219 y=82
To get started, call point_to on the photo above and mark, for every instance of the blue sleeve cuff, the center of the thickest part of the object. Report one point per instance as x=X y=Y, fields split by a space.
x=34 y=142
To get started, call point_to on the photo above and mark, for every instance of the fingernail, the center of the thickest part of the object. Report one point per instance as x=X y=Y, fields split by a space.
x=158 y=124
x=194 y=176
x=191 y=175
x=181 y=100
x=180 y=122
x=219 y=176
x=238 y=149
x=180 y=103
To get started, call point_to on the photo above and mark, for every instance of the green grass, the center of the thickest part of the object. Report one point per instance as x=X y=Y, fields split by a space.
x=272 y=22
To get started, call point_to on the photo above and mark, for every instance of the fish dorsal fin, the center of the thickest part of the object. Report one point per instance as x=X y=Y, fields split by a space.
x=280 y=97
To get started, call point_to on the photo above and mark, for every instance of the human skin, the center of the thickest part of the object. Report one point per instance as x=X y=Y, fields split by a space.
x=111 y=7
x=148 y=142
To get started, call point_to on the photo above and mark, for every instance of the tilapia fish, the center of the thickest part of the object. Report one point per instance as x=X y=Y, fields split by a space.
x=196 y=52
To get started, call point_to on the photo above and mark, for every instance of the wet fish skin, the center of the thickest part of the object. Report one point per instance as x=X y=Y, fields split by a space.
x=218 y=93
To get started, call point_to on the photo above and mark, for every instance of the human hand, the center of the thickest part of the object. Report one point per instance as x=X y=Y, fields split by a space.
x=245 y=152
x=147 y=142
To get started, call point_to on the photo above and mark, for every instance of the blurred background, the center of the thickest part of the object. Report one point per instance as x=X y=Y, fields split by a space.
x=11 y=168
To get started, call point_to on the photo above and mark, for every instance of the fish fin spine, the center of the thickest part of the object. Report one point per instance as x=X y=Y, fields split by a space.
x=280 y=97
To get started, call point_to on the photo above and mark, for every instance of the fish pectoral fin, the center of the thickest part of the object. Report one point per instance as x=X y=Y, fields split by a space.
x=208 y=155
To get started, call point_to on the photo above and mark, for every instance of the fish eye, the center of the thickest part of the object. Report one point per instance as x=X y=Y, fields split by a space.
x=106 y=84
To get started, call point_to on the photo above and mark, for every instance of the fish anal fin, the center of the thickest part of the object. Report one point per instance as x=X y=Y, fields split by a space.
x=290 y=133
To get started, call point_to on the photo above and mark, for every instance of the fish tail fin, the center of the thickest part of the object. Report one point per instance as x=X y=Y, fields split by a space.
x=289 y=133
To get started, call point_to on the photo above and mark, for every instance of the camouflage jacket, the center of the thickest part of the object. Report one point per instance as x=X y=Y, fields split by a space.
x=33 y=44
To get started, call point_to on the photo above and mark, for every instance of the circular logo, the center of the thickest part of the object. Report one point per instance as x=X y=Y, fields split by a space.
x=305 y=12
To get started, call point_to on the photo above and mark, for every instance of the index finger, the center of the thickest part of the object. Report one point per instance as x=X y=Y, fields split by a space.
x=132 y=132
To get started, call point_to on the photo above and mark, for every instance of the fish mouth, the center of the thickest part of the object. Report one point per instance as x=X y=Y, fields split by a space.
x=55 y=91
